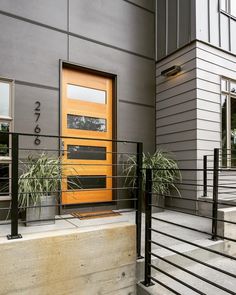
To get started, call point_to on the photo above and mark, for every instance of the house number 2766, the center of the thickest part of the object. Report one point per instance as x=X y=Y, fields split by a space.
x=37 y=129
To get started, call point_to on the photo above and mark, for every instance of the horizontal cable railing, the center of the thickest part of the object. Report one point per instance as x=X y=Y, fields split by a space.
x=79 y=172
x=158 y=229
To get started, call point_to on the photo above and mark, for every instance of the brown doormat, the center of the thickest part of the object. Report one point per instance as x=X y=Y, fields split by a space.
x=93 y=215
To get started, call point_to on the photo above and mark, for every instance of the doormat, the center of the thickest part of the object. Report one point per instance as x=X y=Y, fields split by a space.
x=93 y=215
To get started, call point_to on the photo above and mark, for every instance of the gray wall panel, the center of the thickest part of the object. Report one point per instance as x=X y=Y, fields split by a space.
x=202 y=20
x=136 y=76
x=148 y=4
x=184 y=22
x=214 y=23
x=30 y=53
x=137 y=123
x=114 y=22
x=172 y=26
x=161 y=29
x=49 y=12
x=24 y=118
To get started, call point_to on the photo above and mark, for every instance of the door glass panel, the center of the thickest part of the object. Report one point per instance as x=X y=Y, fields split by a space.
x=4 y=179
x=86 y=182
x=4 y=139
x=86 y=123
x=86 y=94
x=86 y=152
x=4 y=99
x=224 y=128
x=233 y=132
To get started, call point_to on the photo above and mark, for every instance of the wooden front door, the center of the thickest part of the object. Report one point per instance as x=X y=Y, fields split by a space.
x=86 y=113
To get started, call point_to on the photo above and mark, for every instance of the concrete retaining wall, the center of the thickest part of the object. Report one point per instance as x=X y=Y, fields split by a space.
x=94 y=260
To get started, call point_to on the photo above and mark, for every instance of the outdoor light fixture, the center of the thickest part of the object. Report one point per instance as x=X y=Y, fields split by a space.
x=171 y=71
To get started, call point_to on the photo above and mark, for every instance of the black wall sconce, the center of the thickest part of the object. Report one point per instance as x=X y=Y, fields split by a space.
x=171 y=71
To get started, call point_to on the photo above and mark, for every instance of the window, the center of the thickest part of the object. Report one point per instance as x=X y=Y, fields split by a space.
x=6 y=118
x=228 y=6
x=86 y=123
x=86 y=94
x=228 y=122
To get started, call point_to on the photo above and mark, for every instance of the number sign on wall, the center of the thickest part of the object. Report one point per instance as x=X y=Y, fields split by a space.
x=37 y=129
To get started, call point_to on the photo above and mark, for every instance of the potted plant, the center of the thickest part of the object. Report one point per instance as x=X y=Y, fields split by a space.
x=37 y=189
x=165 y=174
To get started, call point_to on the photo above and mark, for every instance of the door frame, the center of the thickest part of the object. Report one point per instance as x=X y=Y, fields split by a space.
x=82 y=68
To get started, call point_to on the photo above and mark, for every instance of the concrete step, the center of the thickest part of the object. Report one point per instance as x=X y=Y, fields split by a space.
x=212 y=275
x=183 y=248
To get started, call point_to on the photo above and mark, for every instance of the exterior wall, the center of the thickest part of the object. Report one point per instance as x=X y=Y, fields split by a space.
x=175 y=25
x=188 y=107
x=214 y=26
x=181 y=21
x=176 y=115
x=87 y=260
x=112 y=36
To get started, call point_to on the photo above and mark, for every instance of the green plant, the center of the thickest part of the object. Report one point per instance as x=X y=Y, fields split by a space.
x=39 y=176
x=165 y=172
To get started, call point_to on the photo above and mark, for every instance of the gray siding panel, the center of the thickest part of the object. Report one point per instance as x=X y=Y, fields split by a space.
x=49 y=12
x=30 y=53
x=24 y=118
x=148 y=4
x=172 y=26
x=184 y=22
x=161 y=29
x=214 y=23
x=136 y=81
x=114 y=22
x=137 y=123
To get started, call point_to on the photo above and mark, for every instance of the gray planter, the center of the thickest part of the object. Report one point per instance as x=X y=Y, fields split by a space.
x=41 y=214
x=158 y=201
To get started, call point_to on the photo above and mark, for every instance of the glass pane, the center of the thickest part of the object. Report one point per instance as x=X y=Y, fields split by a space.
x=224 y=129
x=233 y=132
x=233 y=8
x=86 y=182
x=86 y=94
x=224 y=85
x=4 y=139
x=4 y=99
x=86 y=123
x=233 y=87
x=4 y=179
x=86 y=152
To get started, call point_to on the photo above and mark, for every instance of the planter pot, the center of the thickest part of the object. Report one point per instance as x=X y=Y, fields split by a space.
x=158 y=201
x=41 y=214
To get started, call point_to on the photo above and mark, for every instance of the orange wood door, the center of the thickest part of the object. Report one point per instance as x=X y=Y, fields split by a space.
x=86 y=113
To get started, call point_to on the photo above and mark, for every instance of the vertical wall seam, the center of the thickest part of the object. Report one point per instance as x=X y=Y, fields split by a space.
x=209 y=21
x=177 y=25
x=219 y=23
x=68 y=27
x=167 y=29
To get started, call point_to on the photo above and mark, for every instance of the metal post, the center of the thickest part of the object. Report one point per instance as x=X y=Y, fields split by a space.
x=139 y=195
x=215 y=194
x=148 y=225
x=205 y=176
x=14 y=188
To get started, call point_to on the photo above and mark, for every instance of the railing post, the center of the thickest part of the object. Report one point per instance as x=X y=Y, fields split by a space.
x=139 y=195
x=148 y=225
x=14 y=187
x=215 y=194
x=205 y=176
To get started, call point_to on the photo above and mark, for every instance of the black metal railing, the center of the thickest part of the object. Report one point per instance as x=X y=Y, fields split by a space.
x=157 y=234
x=126 y=190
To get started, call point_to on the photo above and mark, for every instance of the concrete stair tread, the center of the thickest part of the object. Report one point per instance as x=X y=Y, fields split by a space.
x=212 y=275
